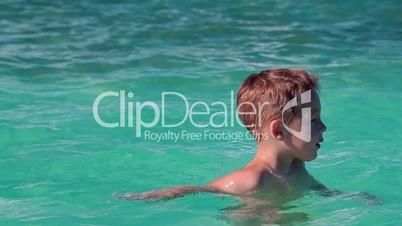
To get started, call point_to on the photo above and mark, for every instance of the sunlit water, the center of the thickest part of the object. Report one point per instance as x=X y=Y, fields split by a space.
x=59 y=166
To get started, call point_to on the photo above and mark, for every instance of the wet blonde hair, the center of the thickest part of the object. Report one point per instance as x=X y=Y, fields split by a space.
x=262 y=96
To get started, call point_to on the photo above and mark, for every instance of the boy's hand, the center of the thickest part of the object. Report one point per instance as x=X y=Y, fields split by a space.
x=366 y=198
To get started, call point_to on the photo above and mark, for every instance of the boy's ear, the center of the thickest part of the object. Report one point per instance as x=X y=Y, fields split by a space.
x=276 y=130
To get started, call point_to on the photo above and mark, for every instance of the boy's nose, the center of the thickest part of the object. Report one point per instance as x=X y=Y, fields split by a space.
x=323 y=127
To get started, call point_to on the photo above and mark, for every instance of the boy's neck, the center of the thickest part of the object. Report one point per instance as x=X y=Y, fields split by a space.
x=272 y=158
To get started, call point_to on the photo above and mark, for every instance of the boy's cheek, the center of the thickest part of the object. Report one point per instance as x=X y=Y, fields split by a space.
x=294 y=124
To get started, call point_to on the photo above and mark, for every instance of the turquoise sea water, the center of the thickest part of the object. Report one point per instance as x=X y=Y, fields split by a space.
x=58 y=166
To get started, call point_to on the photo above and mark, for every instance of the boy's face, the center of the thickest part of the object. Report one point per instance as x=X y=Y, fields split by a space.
x=307 y=151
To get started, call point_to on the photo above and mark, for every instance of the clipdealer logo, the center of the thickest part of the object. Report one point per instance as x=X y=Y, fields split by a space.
x=132 y=117
x=131 y=112
x=305 y=131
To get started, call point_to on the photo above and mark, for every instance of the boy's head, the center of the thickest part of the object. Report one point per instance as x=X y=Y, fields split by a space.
x=262 y=96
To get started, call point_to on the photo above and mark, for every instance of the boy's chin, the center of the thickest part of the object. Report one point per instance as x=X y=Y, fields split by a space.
x=310 y=160
x=312 y=157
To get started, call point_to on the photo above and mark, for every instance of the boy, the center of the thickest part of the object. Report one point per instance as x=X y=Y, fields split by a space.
x=272 y=106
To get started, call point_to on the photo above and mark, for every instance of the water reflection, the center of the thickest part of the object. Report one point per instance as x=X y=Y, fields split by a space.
x=282 y=207
x=263 y=208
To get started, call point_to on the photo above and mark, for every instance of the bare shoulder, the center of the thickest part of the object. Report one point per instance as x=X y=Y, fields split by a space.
x=242 y=181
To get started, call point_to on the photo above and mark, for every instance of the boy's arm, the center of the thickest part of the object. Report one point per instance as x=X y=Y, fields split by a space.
x=242 y=181
x=362 y=196
x=163 y=194
x=323 y=190
x=180 y=191
x=239 y=182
